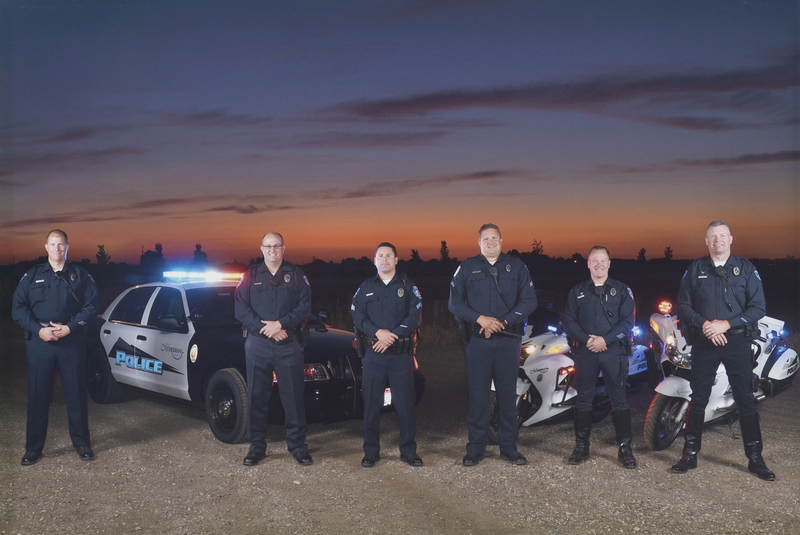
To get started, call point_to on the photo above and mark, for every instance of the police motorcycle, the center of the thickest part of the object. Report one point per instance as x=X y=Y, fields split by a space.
x=546 y=380
x=774 y=367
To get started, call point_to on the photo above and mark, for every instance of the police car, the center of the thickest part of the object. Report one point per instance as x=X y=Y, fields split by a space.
x=180 y=339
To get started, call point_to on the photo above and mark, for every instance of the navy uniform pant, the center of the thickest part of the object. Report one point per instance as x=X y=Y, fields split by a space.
x=377 y=368
x=736 y=355
x=496 y=358
x=69 y=356
x=263 y=356
x=614 y=364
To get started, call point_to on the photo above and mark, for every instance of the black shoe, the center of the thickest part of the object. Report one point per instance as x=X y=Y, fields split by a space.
x=254 y=457
x=85 y=453
x=369 y=460
x=414 y=460
x=514 y=457
x=303 y=458
x=31 y=457
x=580 y=453
x=758 y=467
x=472 y=458
x=625 y=454
x=687 y=462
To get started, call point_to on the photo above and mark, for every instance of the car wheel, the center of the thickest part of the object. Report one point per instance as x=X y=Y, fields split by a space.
x=226 y=405
x=102 y=386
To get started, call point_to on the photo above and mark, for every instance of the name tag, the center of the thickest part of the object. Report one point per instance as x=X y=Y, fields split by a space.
x=702 y=276
x=369 y=294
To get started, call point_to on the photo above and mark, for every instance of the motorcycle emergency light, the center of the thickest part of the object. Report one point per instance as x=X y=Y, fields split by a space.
x=562 y=379
x=665 y=308
x=560 y=348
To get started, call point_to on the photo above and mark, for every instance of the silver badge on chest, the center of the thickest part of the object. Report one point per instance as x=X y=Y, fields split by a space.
x=400 y=292
x=508 y=268
x=287 y=278
x=613 y=292
x=736 y=271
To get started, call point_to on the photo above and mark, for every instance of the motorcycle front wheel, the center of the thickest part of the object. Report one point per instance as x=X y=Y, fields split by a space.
x=494 y=414
x=664 y=421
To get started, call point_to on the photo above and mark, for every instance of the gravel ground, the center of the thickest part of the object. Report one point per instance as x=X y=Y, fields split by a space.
x=160 y=470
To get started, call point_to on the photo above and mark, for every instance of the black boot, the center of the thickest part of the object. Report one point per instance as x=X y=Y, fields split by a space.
x=751 y=436
x=583 y=428
x=691 y=446
x=622 y=424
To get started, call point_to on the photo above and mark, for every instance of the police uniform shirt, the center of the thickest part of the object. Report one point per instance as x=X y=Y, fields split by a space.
x=584 y=314
x=68 y=297
x=396 y=306
x=473 y=292
x=285 y=297
x=705 y=295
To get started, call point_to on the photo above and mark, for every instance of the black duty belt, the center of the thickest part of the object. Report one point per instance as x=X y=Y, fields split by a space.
x=737 y=330
x=289 y=337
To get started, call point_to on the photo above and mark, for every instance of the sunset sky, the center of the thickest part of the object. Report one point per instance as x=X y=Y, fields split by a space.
x=342 y=124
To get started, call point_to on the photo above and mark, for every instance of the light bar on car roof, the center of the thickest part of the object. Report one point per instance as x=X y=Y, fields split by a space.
x=208 y=276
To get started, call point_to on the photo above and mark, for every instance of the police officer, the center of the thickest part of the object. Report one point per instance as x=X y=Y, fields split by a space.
x=720 y=300
x=598 y=318
x=273 y=301
x=387 y=310
x=52 y=303
x=492 y=296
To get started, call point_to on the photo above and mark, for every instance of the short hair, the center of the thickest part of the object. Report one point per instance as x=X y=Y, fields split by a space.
x=271 y=232
x=488 y=226
x=718 y=223
x=57 y=231
x=386 y=244
x=599 y=248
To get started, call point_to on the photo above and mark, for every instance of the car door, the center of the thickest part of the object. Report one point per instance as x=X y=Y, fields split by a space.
x=119 y=334
x=162 y=346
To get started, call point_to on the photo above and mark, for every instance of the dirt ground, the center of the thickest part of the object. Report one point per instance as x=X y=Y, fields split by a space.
x=160 y=470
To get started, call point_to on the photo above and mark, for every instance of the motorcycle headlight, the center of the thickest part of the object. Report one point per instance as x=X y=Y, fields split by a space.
x=681 y=360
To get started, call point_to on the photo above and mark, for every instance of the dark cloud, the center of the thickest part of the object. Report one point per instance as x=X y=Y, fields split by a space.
x=397 y=187
x=349 y=140
x=20 y=163
x=632 y=96
x=77 y=134
x=250 y=208
x=746 y=159
x=735 y=161
x=209 y=119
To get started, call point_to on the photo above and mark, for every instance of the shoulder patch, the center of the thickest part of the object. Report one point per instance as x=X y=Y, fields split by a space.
x=305 y=279
x=630 y=292
x=415 y=291
x=755 y=272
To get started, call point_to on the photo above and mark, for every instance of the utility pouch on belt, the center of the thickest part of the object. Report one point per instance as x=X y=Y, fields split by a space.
x=361 y=342
x=689 y=332
x=464 y=331
x=302 y=335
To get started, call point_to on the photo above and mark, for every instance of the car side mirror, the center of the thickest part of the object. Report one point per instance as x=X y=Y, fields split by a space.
x=171 y=324
x=324 y=314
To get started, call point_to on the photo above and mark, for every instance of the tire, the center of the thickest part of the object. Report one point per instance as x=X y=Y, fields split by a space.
x=664 y=421
x=522 y=412
x=100 y=382
x=226 y=406
x=601 y=406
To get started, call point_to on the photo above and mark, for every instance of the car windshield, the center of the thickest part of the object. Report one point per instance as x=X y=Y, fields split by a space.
x=211 y=305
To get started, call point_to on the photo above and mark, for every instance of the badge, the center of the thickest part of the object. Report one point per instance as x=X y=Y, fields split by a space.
x=735 y=271
x=73 y=277
x=508 y=268
x=415 y=291
x=287 y=278
x=400 y=292
x=613 y=292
